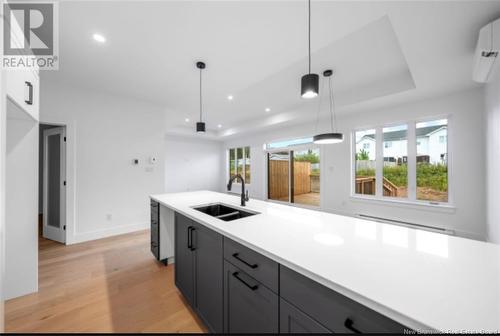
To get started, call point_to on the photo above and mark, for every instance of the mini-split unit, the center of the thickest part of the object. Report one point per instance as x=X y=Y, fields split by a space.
x=486 y=54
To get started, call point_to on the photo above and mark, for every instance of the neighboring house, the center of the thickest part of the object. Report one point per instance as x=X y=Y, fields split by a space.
x=431 y=142
x=438 y=144
x=367 y=143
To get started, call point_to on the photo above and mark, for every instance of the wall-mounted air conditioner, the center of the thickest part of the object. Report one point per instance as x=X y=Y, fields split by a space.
x=487 y=52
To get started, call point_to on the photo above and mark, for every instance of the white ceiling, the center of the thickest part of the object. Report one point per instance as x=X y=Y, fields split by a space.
x=382 y=53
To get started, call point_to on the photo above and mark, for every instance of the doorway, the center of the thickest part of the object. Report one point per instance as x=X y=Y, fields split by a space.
x=52 y=187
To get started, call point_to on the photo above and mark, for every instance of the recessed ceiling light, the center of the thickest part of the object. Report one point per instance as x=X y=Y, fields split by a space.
x=99 y=38
x=230 y=97
x=268 y=109
x=186 y=120
x=220 y=126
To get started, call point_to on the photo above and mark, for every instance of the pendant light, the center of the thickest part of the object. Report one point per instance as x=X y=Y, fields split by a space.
x=333 y=137
x=200 y=126
x=309 y=84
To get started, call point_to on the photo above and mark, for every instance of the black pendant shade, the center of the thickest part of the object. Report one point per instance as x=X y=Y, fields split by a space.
x=328 y=138
x=309 y=86
x=200 y=127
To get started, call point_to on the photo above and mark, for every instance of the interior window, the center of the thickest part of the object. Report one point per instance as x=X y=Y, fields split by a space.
x=239 y=163
x=365 y=162
x=395 y=182
x=432 y=161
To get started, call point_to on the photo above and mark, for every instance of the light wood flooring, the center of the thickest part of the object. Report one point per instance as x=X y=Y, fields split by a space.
x=108 y=285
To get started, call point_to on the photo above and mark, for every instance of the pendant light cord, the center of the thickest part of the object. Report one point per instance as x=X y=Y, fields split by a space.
x=319 y=106
x=309 y=32
x=201 y=97
x=333 y=119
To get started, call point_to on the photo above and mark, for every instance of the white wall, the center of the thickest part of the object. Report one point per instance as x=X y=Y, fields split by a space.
x=192 y=164
x=466 y=111
x=3 y=139
x=104 y=134
x=21 y=191
x=492 y=97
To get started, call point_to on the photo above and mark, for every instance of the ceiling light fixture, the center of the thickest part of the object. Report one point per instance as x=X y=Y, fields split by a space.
x=220 y=126
x=309 y=84
x=268 y=109
x=332 y=137
x=99 y=38
x=200 y=126
x=186 y=120
x=230 y=97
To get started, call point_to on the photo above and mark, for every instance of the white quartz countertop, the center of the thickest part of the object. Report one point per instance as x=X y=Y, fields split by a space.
x=424 y=280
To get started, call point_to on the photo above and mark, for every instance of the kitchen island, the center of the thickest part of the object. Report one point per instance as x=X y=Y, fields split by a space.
x=419 y=279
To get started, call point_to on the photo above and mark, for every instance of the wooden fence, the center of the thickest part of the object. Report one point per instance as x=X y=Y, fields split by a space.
x=278 y=178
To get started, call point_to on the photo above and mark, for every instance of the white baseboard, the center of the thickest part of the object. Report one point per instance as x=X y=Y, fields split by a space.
x=109 y=232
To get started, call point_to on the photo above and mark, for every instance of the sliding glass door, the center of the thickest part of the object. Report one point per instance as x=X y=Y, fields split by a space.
x=278 y=172
x=294 y=175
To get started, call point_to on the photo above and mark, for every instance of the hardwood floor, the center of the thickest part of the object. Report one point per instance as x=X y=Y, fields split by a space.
x=108 y=285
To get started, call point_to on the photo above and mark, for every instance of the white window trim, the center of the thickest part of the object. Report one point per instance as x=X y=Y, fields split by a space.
x=411 y=200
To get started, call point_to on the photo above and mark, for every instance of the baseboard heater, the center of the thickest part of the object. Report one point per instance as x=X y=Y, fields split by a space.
x=408 y=224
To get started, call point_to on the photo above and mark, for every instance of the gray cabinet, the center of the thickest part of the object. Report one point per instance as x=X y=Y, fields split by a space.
x=252 y=263
x=294 y=321
x=331 y=309
x=184 y=259
x=155 y=229
x=208 y=276
x=199 y=270
x=249 y=306
x=235 y=289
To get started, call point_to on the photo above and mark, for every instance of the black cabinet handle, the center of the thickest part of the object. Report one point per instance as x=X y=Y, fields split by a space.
x=189 y=241
x=349 y=325
x=252 y=287
x=190 y=238
x=30 y=94
x=236 y=256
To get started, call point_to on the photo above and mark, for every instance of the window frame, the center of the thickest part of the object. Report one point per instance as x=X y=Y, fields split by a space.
x=411 y=200
x=243 y=173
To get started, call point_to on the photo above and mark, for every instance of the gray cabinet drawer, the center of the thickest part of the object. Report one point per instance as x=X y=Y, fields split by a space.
x=293 y=321
x=331 y=309
x=254 y=264
x=249 y=307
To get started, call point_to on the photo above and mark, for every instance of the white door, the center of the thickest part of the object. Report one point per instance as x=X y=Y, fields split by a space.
x=54 y=184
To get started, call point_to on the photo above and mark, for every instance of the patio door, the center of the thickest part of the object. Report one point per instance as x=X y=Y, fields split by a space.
x=293 y=175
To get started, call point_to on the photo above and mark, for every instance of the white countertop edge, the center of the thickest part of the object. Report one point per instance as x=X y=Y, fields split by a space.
x=390 y=313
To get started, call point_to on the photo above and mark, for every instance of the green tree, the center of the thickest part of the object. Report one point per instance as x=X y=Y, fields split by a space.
x=310 y=156
x=362 y=155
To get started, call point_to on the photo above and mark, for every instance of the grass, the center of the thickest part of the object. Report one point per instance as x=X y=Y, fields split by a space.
x=434 y=176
